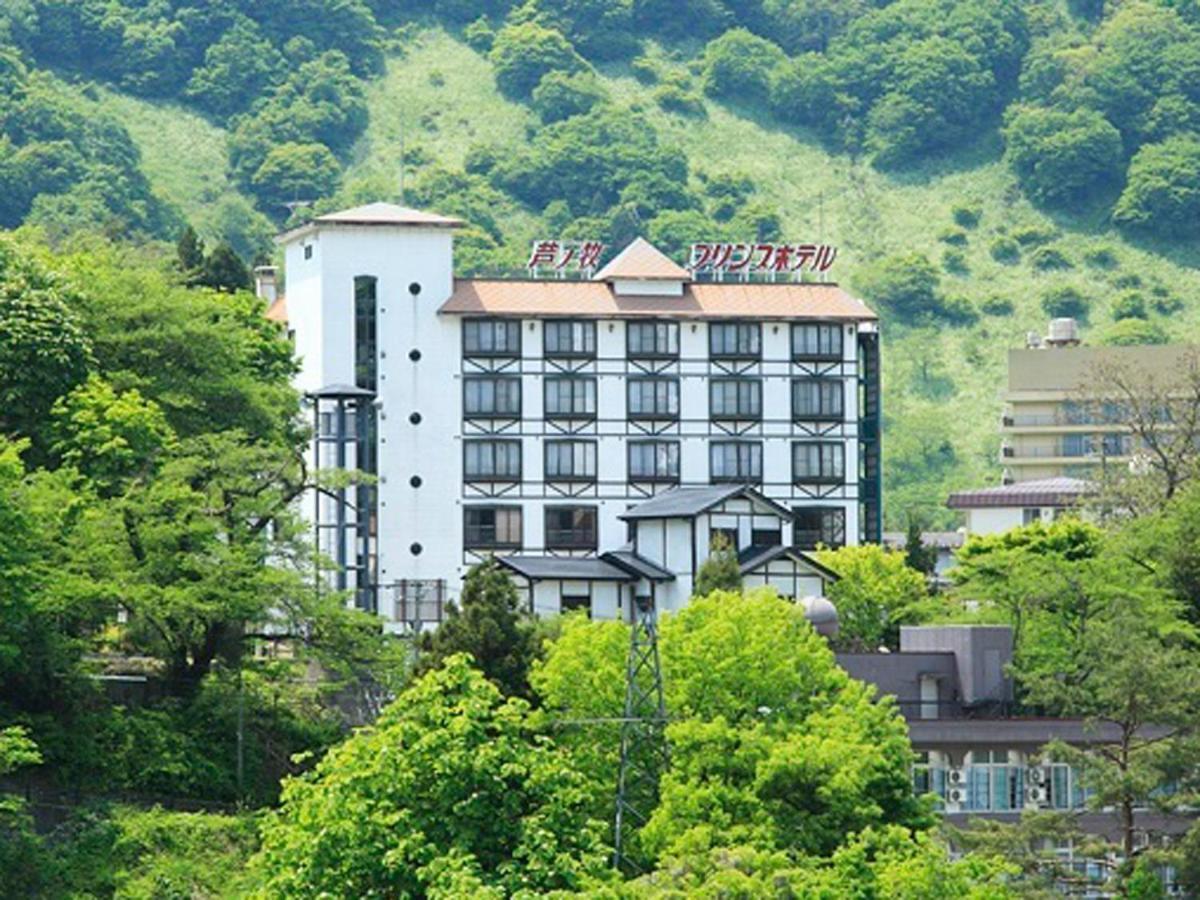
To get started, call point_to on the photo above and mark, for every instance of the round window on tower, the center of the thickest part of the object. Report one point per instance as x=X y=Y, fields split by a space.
x=414 y=288
x=415 y=418
x=415 y=481
x=416 y=549
x=414 y=355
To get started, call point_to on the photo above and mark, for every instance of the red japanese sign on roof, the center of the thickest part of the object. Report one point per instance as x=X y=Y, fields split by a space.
x=744 y=259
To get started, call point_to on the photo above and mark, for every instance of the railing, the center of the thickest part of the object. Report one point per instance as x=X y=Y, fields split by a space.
x=418 y=601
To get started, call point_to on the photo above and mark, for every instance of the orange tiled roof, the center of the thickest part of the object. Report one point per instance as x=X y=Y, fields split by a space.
x=277 y=311
x=640 y=261
x=700 y=300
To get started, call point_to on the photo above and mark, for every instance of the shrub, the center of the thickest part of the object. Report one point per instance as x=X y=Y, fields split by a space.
x=480 y=159
x=1132 y=332
x=905 y=284
x=997 y=306
x=1129 y=305
x=958 y=311
x=1005 y=250
x=1162 y=190
x=1101 y=258
x=1065 y=302
x=966 y=214
x=676 y=99
x=1127 y=280
x=480 y=35
x=296 y=172
x=1034 y=235
x=560 y=95
x=739 y=65
x=1062 y=158
x=1046 y=259
x=954 y=236
x=523 y=54
x=645 y=70
x=955 y=260
x=1167 y=304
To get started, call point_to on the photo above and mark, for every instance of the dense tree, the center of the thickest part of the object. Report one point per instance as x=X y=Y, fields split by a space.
x=448 y=794
x=490 y=627
x=237 y=69
x=1163 y=190
x=295 y=172
x=876 y=593
x=907 y=285
x=523 y=54
x=1063 y=158
x=224 y=270
x=739 y=66
x=560 y=95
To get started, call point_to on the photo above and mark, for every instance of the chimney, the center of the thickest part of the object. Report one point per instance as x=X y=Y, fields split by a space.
x=264 y=283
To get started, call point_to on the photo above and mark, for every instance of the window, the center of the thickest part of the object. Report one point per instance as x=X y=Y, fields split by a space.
x=735 y=461
x=654 y=461
x=1077 y=445
x=570 y=396
x=993 y=784
x=572 y=603
x=569 y=338
x=491 y=337
x=491 y=396
x=570 y=460
x=817 y=398
x=735 y=398
x=1031 y=515
x=815 y=525
x=727 y=537
x=1064 y=787
x=652 y=340
x=308 y=251
x=734 y=339
x=766 y=537
x=491 y=527
x=818 y=461
x=492 y=460
x=570 y=528
x=366 y=350
x=816 y=341
x=654 y=398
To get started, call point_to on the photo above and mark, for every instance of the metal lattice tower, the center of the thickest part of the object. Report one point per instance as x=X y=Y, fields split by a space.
x=643 y=745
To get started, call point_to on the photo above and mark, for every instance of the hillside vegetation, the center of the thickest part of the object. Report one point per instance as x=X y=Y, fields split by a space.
x=981 y=166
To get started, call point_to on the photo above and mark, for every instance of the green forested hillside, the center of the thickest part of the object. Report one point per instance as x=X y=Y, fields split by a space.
x=981 y=165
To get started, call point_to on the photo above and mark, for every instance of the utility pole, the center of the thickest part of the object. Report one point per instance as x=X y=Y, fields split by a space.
x=643 y=745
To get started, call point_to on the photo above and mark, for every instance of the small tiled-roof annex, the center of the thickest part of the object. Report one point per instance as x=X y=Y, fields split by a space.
x=1044 y=492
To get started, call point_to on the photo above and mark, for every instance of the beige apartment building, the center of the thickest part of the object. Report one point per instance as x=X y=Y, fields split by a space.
x=1062 y=418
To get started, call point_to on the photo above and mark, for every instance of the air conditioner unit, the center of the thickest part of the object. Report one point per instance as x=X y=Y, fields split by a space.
x=957 y=776
x=956 y=796
x=1036 y=795
x=1036 y=775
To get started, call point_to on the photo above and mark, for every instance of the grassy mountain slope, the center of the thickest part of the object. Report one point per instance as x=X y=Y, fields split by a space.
x=943 y=384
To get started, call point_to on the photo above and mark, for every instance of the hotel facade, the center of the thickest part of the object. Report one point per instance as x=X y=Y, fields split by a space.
x=592 y=431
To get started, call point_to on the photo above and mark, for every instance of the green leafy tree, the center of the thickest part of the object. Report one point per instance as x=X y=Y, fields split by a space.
x=22 y=856
x=876 y=593
x=296 y=171
x=917 y=555
x=224 y=270
x=906 y=285
x=189 y=254
x=560 y=95
x=490 y=627
x=237 y=69
x=1162 y=193
x=1133 y=333
x=447 y=795
x=1063 y=158
x=524 y=54
x=739 y=65
x=720 y=571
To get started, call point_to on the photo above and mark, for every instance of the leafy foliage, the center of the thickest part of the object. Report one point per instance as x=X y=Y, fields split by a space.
x=876 y=594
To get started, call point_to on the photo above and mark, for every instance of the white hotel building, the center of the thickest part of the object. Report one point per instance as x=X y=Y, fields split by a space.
x=592 y=434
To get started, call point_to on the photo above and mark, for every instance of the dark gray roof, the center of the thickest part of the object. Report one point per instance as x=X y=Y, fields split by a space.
x=1015 y=732
x=686 y=502
x=342 y=390
x=751 y=558
x=1059 y=491
x=565 y=568
x=638 y=565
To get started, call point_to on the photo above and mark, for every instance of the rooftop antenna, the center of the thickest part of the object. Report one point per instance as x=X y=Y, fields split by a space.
x=643 y=745
x=400 y=176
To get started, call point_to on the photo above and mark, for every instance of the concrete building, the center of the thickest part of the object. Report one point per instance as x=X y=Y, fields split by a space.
x=1057 y=422
x=994 y=510
x=529 y=418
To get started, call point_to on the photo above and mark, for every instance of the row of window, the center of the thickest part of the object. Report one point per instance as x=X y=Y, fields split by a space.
x=647 y=340
x=655 y=397
x=992 y=784
x=574 y=528
x=574 y=459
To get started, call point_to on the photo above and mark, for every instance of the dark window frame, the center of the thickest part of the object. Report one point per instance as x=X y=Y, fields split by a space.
x=494 y=477
x=589 y=325
x=821 y=415
x=832 y=523
x=473 y=379
x=715 y=327
x=470 y=543
x=669 y=380
x=715 y=383
x=822 y=477
x=830 y=328
x=630 y=327
x=655 y=478
x=551 y=380
x=512 y=326
x=738 y=478
x=590 y=542
x=573 y=477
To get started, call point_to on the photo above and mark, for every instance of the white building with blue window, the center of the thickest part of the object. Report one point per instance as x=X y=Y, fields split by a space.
x=541 y=420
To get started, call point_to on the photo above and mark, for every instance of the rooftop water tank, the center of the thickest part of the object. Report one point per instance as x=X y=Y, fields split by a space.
x=821 y=614
x=1063 y=332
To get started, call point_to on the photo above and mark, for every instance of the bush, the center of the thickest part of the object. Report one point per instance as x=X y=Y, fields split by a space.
x=1127 y=280
x=740 y=66
x=997 y=306
x=958 y=311
x=966 y=214
x=1047 y=259
x=1133 y=332
x=560 y=95
x=1167 y=303
x=956 y=237
x=1129 y=305
x=1101 y=258
x=905 y=285
x=1162 y=192
x=523 y=54
x=955 y=260
x=645 y=70
x=1061 y=158
x=676 y=99
x=1034 y=235
x=480 y=159
x=296 y=172
x=1005 y=250
x=479 y=35
x=1065 y=302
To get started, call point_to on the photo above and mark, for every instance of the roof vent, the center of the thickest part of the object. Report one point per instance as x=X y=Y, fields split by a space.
x=1063 y=333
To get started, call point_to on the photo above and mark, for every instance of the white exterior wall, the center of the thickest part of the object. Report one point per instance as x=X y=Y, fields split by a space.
x=320 y=298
